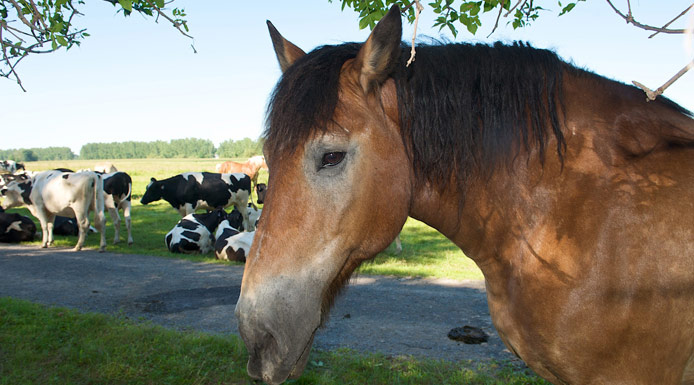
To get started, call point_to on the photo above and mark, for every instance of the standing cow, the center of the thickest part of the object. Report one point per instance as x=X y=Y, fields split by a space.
x=118 y=187
x=52 y=193
x=190 y=191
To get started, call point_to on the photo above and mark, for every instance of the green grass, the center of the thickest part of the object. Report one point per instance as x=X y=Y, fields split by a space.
x=426 y=253
x=44 y=345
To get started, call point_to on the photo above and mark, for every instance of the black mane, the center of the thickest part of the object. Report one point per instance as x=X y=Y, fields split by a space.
x=464 y=108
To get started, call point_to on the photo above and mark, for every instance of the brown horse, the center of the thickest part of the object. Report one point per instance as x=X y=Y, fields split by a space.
x=249 y=167
x=573 y=195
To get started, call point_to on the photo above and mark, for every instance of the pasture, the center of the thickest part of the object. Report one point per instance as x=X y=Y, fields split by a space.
x=426 y=253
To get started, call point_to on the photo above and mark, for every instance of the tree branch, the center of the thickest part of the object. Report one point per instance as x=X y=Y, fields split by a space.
x=630 y=20
x=673 y=20
x=418 y=9
x=651 y=95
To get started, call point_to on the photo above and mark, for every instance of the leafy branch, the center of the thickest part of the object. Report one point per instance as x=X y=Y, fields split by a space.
x=44 y=26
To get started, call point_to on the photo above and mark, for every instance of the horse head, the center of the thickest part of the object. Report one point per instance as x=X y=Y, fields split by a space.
x=334 y=168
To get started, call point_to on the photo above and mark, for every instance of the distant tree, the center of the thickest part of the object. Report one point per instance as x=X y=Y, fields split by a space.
x=243 y=148
x=176 y=148
x=33 y=154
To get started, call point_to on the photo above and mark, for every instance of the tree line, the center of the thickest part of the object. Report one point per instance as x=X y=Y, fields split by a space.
x=34 y=154
x=176 y=148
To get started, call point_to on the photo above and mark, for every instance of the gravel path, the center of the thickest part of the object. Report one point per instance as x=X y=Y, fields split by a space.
x=374 y=314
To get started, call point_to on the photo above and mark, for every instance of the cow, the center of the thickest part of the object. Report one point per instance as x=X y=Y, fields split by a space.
x=15 y=228
x=232 y=245
x=193 y=233
x=68 y=226
x=118 y=187
x=260 y=191
x=190 y=191
x=10 y=166
x=253 y=217
x=5 y=179
x=52 y=193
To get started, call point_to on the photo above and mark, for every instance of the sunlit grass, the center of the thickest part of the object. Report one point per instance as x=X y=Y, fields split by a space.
x=44 y=345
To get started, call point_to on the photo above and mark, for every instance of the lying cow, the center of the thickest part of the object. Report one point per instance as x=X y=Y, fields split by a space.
x=5 y=179
x=118 y=187
x=15 y=228
x=193 y=233
x=68 y=226
x=232 y=245
x=190 y=191
x=52 y=193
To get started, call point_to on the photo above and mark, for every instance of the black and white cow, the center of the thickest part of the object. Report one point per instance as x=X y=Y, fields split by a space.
x=5 y=179
x=15 y=228
x=260 y=191
x=68 y=226
x=232 y=245
x=193 y=233
x=190 y=191
x=118 y=187
x=52 y=193
x=10 y=166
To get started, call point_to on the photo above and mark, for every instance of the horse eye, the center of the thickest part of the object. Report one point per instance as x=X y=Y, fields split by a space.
x=332 y=159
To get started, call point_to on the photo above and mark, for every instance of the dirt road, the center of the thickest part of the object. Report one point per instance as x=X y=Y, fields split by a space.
x=374 y=314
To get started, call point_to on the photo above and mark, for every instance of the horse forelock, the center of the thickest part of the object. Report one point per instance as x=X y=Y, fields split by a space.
x=304 y=99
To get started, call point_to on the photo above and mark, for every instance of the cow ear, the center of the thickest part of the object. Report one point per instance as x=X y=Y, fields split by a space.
x=287 y=53
x=3 y=191
x=152 y=179
x=380 y=53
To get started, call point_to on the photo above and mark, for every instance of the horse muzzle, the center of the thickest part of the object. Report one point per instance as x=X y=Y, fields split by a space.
x=278 y=337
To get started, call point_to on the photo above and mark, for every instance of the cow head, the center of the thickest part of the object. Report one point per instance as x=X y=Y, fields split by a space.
x=16 y=194
x=235 y=219
x=153 y=192
x=260 y=190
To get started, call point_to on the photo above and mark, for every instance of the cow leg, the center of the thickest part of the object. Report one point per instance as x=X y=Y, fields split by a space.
x=113 y=212
x=83 y=228
x=44 y=230
x=50 y=221
x=243 y=209
x=100 y=224
x=126 y=214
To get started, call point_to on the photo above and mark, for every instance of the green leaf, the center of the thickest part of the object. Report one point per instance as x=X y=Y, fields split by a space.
x=159 y=3
x=126 y=4
x=61 y=40
x=568 y=8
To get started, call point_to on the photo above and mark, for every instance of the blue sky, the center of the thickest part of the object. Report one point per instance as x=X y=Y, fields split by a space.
x=137 y=80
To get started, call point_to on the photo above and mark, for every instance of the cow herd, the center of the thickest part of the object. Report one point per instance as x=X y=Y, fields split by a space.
x=62 y=201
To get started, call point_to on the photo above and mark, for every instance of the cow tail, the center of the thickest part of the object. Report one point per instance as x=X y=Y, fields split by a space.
x=99 y=194
x=99 y=215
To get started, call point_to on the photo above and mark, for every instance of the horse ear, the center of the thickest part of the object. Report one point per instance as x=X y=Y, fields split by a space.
x=381 y=52
x=287 y=53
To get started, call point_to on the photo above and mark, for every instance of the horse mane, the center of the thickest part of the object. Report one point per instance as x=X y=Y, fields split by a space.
x=465 y=109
